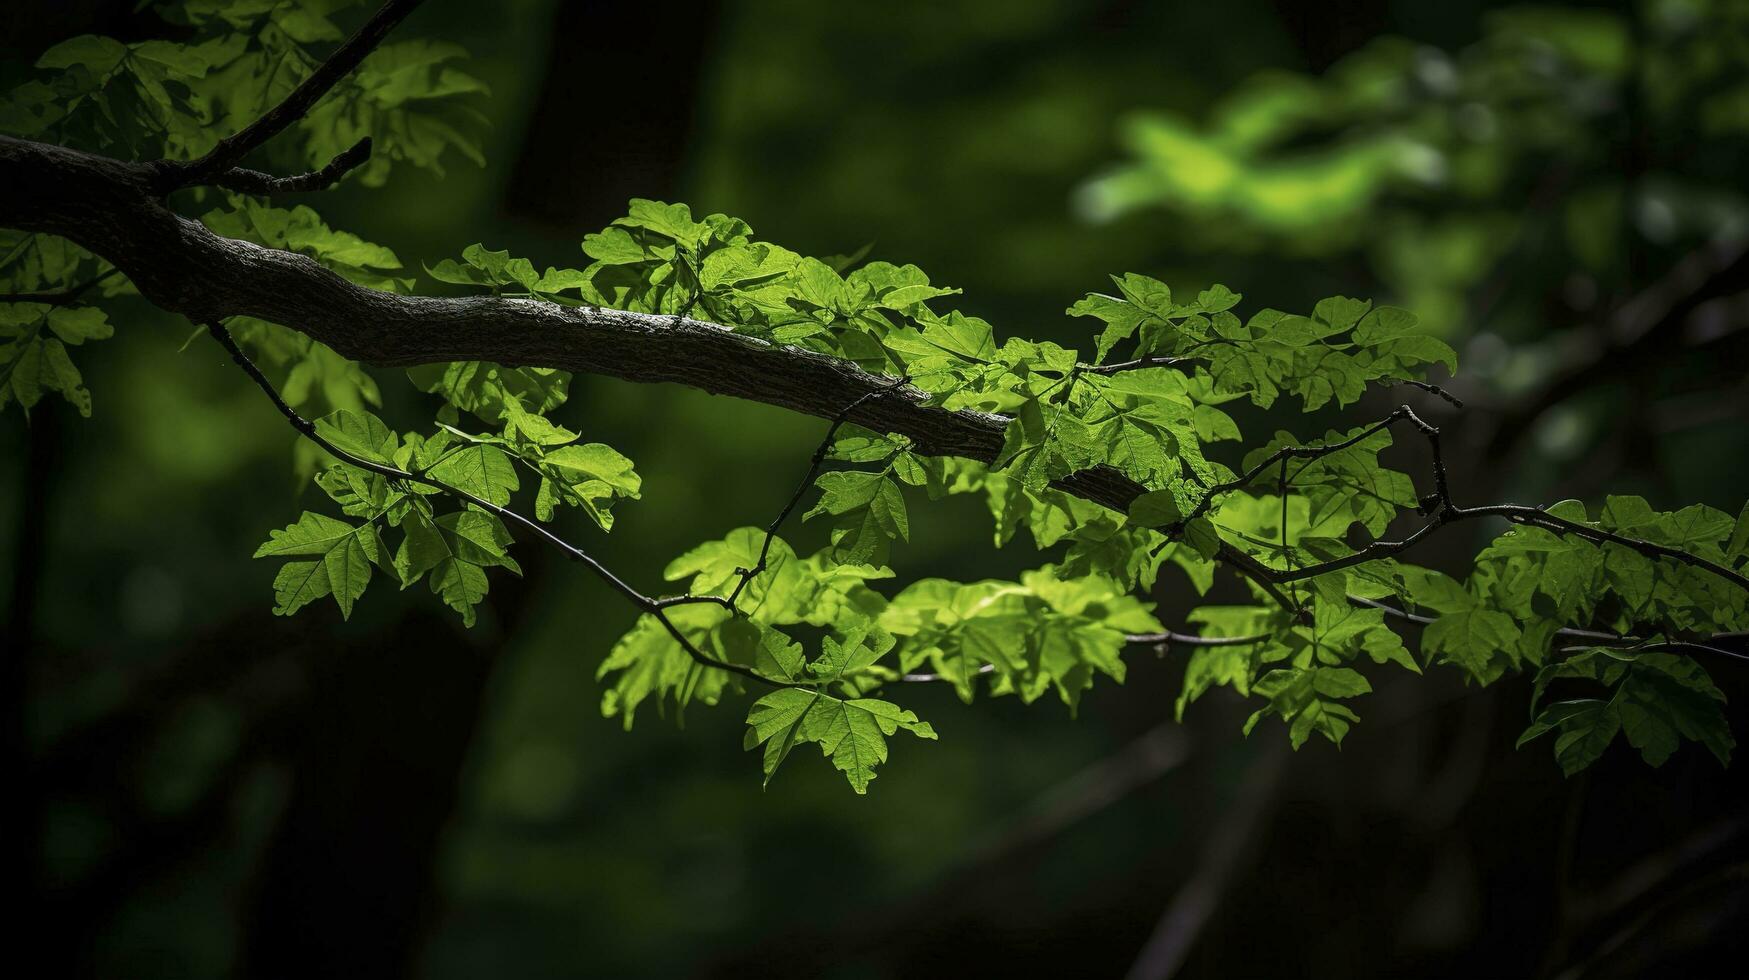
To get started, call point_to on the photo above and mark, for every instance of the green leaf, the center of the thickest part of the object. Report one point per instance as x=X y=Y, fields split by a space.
x=486 y=389
x=455 y=549
x=1483 y=642
x=868 y=511
x=406 y=96
x=896 y=287
x=743 y=265
x=1398 y=345
x=482 y=470
x=855 y=653
x=590 y=476
x=672 y=221
x=77 y=324
x=1739 y=544
x=1658 y=700
x=98 y=54
x=614 y=246
x=343 y=556
x=776 y=720
x=954 y=336
x=36 y=364
x=1303 y=697
x=852 y=733
x=1586 y=728
x=359 y=434
x=647 y=663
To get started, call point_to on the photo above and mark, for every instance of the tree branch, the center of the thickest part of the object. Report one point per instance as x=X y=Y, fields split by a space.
x=109 y=207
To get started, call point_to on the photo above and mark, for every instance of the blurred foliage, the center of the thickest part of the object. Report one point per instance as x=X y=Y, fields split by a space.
x=1450 y=173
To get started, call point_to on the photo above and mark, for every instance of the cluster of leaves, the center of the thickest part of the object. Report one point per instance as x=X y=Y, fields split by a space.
x=789 y=591
x=851 y=731
x=1155 y=418
x=1331 y=355
x=1045 y=632
x=34 y=336
x=1151 y=424
x=34 y=358
x=128 y=99
x=176 y=99
x=1530 y=588
x=1060 y=626
x=453 y=548
x=1303 y=670
x=1656 y=700
x=332 y=557
x=1028 y=637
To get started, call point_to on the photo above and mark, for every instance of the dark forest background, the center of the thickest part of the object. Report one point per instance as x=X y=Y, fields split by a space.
x=205 y=789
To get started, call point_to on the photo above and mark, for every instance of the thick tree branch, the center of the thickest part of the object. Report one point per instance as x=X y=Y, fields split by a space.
x=110 y=208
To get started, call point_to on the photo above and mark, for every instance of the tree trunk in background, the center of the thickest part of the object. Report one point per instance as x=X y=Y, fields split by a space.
x=348 y=885
x=30 y=28
x=24 y=821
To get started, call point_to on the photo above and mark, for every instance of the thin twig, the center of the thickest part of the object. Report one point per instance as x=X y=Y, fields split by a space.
x=1431 y=389
x=1163 y=640
x=1260 y=574
x=1517 y=514
x=308 y=430
x=248 y=181
x=748 y=574
x=1674 y=646
x=1591 y=638
x=1137 y=364
x=64 y=297
x=1169 y=638
x=1284 y=453
x=233 y=148
x=1154 y=361
x=932 y=678
x=1442 y=511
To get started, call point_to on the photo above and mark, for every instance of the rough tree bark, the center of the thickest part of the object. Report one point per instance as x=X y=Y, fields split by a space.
x=111 y=207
